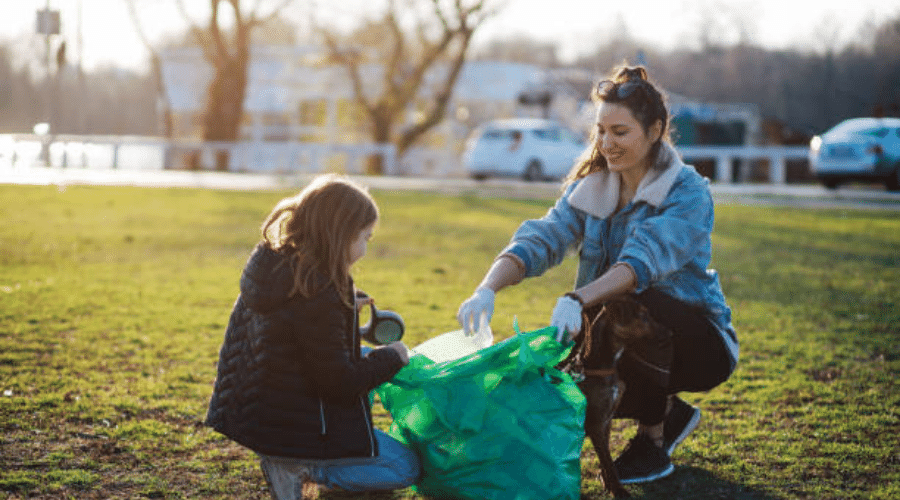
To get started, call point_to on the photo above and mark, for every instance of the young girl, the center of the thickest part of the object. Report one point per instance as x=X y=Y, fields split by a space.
x=293 y=380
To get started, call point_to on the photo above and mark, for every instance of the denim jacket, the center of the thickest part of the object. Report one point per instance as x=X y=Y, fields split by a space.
x=663 y=234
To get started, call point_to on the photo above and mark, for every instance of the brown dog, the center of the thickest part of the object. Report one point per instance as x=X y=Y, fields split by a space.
x=622 y=326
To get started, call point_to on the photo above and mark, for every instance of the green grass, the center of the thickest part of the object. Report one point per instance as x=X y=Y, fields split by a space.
x=113 y=303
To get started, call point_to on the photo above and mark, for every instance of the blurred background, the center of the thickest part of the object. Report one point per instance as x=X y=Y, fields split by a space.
x=397 y=86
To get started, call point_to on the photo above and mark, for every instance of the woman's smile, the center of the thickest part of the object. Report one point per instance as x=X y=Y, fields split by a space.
x=612 y=156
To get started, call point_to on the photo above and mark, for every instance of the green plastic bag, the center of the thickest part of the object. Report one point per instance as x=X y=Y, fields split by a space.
x=501 y=423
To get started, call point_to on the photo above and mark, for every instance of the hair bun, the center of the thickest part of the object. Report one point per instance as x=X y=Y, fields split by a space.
x=627 y=74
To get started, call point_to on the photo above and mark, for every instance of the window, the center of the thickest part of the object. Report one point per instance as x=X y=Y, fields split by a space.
x=881 y=133
x=550 y=134
x=568 y=135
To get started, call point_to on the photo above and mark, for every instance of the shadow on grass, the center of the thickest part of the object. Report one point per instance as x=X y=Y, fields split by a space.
x=694 y=483
x=686 y=483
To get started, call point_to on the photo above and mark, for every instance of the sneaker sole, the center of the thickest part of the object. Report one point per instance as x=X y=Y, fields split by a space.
x=689 y=428
x=653 y=477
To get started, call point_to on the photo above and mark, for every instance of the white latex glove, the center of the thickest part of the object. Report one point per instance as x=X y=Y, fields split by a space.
x=566 y=318
x=477 y=309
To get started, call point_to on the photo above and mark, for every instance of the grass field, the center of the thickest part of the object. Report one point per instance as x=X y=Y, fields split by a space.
x=113 y=303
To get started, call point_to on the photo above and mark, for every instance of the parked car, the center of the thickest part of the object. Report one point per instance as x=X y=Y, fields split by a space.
x=531 y=148
x=858 y=149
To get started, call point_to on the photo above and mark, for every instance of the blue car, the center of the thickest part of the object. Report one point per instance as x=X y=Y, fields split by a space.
x=859 y=149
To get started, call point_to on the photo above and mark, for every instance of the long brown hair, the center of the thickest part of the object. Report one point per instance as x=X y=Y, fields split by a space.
x=630 y=87
x=316 y=228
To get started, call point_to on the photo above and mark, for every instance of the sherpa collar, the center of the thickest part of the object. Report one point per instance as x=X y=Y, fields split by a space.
x=598 y=193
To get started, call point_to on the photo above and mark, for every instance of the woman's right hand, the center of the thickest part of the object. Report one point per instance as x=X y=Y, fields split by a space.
x=479 y=305
x=401 y=349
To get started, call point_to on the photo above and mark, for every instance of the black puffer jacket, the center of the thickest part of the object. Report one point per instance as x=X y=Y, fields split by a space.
x=291 y=381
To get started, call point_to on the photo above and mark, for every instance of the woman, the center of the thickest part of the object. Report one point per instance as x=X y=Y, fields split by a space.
x=641 y=220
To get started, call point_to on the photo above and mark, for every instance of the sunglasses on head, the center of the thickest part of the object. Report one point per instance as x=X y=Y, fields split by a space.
x=622 y=90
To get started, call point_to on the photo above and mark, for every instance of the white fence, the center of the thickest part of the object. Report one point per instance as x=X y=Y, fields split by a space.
x=725 y=156
x=150 y=153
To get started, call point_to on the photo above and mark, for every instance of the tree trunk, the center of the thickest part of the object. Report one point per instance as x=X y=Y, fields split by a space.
x=381 y=134
x=224 y=105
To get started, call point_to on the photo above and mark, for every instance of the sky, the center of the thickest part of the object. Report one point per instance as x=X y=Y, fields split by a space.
x=108 y=37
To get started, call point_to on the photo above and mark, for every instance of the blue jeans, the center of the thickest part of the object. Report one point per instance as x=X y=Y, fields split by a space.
x=395 y=467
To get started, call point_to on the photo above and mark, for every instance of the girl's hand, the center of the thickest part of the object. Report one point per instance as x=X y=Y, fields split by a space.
x=363 y=300
x=401 y=349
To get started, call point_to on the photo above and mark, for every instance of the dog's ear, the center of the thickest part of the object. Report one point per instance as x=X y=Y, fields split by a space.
x=633 y=320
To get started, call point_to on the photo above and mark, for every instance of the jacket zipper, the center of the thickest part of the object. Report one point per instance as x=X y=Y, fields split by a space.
x=362 y=402
x=322 y=403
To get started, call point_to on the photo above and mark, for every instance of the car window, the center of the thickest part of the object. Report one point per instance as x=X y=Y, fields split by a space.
x=570 y=136
x=493 y=135
x=550 y=134
x=880 y=133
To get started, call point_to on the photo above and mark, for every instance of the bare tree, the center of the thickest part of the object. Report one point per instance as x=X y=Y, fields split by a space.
x=406 y=48
x=155 y=67
x=227 y=50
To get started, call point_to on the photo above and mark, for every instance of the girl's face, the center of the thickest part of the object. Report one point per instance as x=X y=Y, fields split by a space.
x=359 y=244
x=621 y=138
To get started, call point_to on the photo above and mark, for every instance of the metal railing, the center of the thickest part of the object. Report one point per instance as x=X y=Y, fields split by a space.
x=153 y=153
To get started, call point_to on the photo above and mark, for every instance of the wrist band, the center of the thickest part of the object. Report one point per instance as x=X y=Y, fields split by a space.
x=574 y=296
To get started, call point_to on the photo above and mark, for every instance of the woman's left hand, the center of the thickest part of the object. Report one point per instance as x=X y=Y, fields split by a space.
x=566 y=318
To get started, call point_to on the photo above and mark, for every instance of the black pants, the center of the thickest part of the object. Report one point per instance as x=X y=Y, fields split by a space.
x=700 y=360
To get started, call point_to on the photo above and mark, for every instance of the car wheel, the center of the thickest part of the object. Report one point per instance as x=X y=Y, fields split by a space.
x=831 y=182
x=892 y=182
x=534 y=171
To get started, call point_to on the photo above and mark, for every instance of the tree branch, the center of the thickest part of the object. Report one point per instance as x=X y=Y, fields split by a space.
x=216 y=34
x=198 y=33
x=442 y=99
x=439 y=13
x=238 y=15
x=155 y=60
x=444 y=34
x=350 y=62
x=256 y=20
x=393 y=75
x=139 y=28
x=469 y=19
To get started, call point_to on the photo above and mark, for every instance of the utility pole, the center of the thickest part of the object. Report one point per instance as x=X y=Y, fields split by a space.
x=48 y=24
x=82 y=122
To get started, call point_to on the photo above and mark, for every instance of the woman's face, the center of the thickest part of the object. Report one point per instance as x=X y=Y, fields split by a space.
x=360 y=243
x=621 y=138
